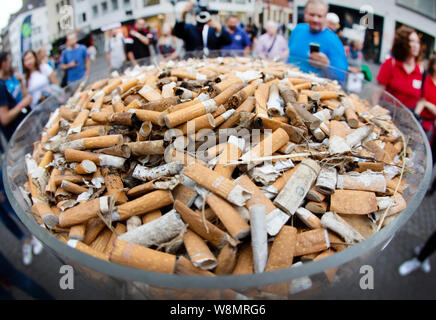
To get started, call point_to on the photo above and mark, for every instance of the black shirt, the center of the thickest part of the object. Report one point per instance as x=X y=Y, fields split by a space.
x=140 y=50
x=6 y=99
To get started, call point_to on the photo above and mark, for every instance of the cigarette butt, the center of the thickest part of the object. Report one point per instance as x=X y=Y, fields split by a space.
x=246 y=106
x=51 y=185
x=312 y=121
x=351 y=117
x=140 y=190
x=86 y=249
x=218 y=88
x=303 y=86
x=72 y=187
x=153 y=215
x=119 y=230
x=139 y=257
x=226 y=260
x=128 y=119
x=111 y=86
x=117 y=104
x=46 y=213
x=296 y=188
x=72 y=155
x=206 y=121
x=68 y=113
x=145 y=130
x=314 y=195
x=178 y=117
x=317 y=207
x=101 y=116
x=181 y=106
x=232 y=152
x=84 y=211
x=235 y=225
x=338 y=134
x=282 y=251
x=353 y=202
x=115 y=187
x=186 y=267
x=280 y=183
x=370 y=181
x=184 y=194
x=244 y=263
x=326 y=181
x=145 y=174
x=46 y=159
x=295 y=134
x=287 y=148
x=398 y=205
x=218 y=184
x=77 y=232
x=93 y=227
x=225 y=95
x=373 y=166
x=261 y=96
x=147 y=203
x=320 y=95
x=205 y=229
x=311 y=242
x=303 y=99
x=198 y=251
x=98 y=102
x=335 y=223
x=148 y=115
x=239 y=97
x=85 y=167
x=308 y=218
x=121 y=150
x=126 y=86
x=94 y=143
x=100 y=243
x=266 y=147
x=142 y=148
x=156 y=232
x=259 y=238
x=275 y=103
x=337 y=243
x=149 y=93
x=88 y=133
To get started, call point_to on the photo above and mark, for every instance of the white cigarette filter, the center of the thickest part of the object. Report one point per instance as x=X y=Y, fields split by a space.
x=156 y=232
x=293 y=193
x=326 y=182
x=146 y=174
x=366 y=181
x=259 y=238
x=335 y=223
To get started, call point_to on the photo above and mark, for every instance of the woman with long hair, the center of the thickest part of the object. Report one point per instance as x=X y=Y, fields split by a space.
x=39 y=78
x=401 y=75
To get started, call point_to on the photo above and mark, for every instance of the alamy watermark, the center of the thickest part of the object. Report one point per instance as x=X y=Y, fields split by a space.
x=66 y=282
x=367 y=280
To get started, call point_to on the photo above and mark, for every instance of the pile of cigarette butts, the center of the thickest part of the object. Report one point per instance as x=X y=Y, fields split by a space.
x=216 y=166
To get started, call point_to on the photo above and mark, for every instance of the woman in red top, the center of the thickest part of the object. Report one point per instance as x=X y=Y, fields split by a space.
x=401 y=75
x=426 y=107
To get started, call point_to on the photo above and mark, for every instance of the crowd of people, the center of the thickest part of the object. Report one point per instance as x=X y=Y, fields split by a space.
x=316 y=46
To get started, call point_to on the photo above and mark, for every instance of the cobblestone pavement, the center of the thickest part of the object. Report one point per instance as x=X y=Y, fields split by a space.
x=387 y=282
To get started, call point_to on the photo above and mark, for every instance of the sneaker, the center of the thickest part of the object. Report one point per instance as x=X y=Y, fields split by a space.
x=27 y=253
x=36 y=245
x=409 y=266
x=425 y=266
x=417 y=250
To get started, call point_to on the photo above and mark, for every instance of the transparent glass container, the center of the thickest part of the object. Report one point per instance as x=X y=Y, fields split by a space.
x=329 y=277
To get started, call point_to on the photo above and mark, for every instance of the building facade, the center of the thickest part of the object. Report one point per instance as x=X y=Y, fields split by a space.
x=39 y=33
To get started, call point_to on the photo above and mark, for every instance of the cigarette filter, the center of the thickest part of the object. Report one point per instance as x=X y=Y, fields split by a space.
x=198 y=251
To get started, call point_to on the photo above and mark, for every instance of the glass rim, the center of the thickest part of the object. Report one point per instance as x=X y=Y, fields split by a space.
x=223 y=281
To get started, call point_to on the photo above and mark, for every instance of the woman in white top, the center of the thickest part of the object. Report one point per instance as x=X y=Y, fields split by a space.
x=39 y=78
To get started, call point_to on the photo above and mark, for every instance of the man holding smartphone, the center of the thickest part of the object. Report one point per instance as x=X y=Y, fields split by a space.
x=313 y=41
x=75 y=61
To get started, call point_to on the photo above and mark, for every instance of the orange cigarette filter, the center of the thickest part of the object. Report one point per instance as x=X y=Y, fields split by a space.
x=143 y=258
x=198 y=251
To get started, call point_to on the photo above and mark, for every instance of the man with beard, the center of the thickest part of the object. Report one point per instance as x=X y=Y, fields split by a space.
x=206 y=35
x=240 y=39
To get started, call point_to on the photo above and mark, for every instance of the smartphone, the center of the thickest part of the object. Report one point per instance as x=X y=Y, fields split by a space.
x=314 y=47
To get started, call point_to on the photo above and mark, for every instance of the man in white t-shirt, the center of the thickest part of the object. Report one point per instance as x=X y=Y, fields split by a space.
x=114 y=48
